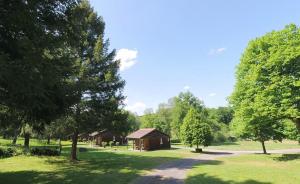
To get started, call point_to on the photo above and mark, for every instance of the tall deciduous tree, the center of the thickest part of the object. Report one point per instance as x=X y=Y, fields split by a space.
x=268 y=84
x=98 y=83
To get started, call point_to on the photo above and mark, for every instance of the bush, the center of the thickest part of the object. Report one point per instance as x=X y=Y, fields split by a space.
x=232 y=139
x=44 y=151
x=219 y=137
x=7 y=152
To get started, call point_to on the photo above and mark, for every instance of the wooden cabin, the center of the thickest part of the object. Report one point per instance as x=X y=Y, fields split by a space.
x=83 y=137
x=105 y=136
x=149 y=139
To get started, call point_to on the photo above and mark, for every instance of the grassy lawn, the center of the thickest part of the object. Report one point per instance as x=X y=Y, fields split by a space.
x=248 y=169
x=96 y=165
x=250 y=145
x=253 y=145
x=121 y=165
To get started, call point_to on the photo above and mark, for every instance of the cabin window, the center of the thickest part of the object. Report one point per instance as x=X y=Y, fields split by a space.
x=161 y=141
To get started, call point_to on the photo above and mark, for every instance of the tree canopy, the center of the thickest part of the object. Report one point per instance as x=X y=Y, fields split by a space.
x=35 y=66
x=195 y=129
x=268 y=84
x=98 y=85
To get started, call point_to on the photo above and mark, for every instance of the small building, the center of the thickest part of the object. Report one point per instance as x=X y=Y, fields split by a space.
x=105 y=136
x=149 y=139
x=83 y=137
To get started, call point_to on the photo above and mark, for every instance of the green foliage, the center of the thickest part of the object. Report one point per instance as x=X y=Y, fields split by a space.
x=221 y=114
x=125 y=122
x=7 y=152
x=43 y=151
x=181 y=105
x=160 y=120
x=267 y=90
x=268 y=79
x=35 y=64
x=290 y=130
x=219 y=119
x=97 y=83
x=195 y=129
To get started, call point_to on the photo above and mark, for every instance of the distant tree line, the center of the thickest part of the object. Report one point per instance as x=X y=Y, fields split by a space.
x=172 y=118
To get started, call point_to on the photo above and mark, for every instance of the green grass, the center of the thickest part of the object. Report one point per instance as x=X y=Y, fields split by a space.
x=248 y=169
x=251 y=145
x=117 y=164
x=97 y=165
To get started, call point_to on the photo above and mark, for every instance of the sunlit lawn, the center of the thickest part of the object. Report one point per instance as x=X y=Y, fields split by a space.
x=251 y=145
x=96 y=165
x=119 y=164
x=248 y=169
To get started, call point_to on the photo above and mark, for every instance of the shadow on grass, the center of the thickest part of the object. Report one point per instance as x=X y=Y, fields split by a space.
x=224 y=143
x=95 y=167
x=287 y=157
x=174 y=174
x=216 y=153
x=203 y=178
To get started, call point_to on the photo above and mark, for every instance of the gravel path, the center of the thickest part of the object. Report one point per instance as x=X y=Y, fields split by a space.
x=175 y=172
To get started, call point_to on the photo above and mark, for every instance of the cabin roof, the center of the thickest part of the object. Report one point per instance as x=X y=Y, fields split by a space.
x=143 y=132
x=97 y=133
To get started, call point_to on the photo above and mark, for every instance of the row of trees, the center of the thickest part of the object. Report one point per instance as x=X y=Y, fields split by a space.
x=56 y=70
x=267 y=91
x=185 y=115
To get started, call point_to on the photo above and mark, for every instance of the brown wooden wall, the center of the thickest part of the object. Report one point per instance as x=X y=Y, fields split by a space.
x=153 y=141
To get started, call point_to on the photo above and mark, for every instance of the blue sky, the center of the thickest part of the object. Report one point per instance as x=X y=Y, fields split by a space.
x=169 y=46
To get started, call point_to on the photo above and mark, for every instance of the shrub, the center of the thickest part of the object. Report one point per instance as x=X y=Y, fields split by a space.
x=7 y=152
x=44 y=151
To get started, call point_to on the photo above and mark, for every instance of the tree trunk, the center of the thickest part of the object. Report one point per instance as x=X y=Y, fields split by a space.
x=26 y=140
x=74 y=146
x=16 y=134
x=48 y=140
x=60 y=146
x=297 y=122
x=264 y=147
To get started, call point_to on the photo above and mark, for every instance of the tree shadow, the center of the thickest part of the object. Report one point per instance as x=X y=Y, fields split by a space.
x=204 y=178
x=287 y=157
x=93 y=167
x=170 y=173
x=224 y=143
x=217 y=153
x=157 y=180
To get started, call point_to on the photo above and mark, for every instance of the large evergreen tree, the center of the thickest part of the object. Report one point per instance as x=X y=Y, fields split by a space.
x=98 y=83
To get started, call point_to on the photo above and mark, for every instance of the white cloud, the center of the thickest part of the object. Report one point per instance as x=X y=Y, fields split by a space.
x=212 y=94
x=138 y=107
x=127 y=58
x=217 y=51
x=186 y=88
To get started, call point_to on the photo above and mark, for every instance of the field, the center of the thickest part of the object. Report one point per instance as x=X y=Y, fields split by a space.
x=248 y=169
x=109 y=165
x=250 y=145
x=121 y=165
